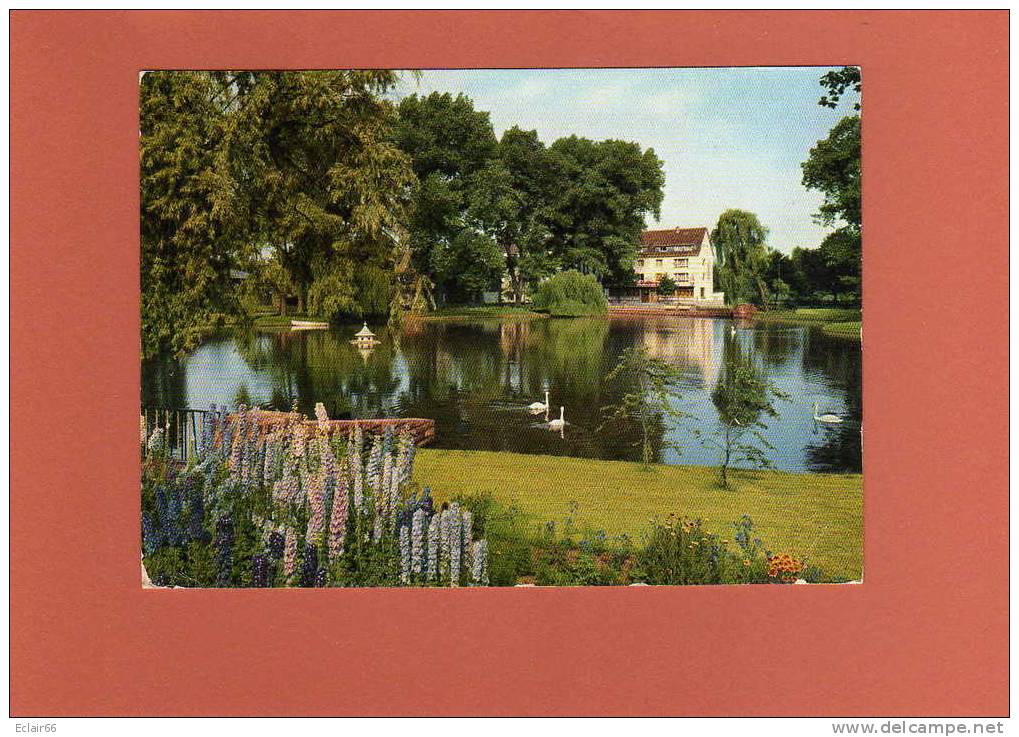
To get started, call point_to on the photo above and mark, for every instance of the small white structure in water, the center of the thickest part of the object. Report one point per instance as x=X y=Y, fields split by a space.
x=365 y=337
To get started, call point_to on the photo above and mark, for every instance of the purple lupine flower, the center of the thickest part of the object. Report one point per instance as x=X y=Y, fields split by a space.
x=152 y=539
x=275 y=545
x=309 y=566
x=383 y=498
x=322 y=578
x=417 y=541
x=373 y=473
x=455 y=544
x=434 y=536
x=387 y=440
x=426 y=502
x=330 y=469
x=408 y=464
x=338 y=520
x=467 y=533
x=290 y=555
x=357 y=476
x=196 y=511
x=444 y=519
x=224 y=550
x=479 y=563
x=259 y=571
x=404 y=555
x=273 y=452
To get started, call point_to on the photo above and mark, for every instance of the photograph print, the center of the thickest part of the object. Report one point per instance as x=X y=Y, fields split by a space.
x=501 y=327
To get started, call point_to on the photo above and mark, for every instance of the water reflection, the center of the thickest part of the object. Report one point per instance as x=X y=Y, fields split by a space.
x=476 y=379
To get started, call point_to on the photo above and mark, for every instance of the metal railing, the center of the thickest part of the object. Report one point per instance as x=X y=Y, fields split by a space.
x=183 y=429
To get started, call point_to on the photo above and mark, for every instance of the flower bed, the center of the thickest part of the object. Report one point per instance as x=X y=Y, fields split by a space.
x=272 y=499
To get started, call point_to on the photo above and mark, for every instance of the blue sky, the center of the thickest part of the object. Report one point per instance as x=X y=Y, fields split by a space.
x=728 y=137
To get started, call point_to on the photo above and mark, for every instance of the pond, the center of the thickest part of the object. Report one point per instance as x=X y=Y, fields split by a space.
x=475 y=378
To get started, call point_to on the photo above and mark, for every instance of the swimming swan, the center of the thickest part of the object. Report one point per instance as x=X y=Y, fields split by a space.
x=828 y=418
x=538 y=406
x=557 y=424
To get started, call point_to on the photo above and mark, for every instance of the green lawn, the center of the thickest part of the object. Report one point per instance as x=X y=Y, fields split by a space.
x=841 y=323
x=280 y=321
x=816 y=516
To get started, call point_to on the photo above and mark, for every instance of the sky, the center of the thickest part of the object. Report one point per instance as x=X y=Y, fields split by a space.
x=728 y=137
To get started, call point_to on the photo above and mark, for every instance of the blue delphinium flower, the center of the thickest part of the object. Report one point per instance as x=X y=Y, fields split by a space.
x=276 y=545
x=426 y=502
x=152 y=539
x=224 y=550
x=309 y=566
x=259 y=571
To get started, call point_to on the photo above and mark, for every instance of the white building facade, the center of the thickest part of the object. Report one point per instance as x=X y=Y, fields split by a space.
x=683 y=254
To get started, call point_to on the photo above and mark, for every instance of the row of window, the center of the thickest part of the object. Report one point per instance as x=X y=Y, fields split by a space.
x=680 y=262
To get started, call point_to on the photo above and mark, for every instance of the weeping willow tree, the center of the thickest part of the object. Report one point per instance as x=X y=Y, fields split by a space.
x=741 y=256
x=194 y=224
x=329 y=186
x=302 y=162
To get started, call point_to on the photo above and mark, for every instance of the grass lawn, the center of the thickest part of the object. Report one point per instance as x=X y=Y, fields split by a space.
x=840 y=323
x=816 y=516
x=481 y=311
x=280 y=321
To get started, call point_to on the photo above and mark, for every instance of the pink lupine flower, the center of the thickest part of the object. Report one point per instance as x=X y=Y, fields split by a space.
x=338 y=520
x=314 y=488
x=290 y=555
x=467 y=533
x=321 y=416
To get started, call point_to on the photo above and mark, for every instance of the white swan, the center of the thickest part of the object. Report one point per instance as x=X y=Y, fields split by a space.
x=557 y=424
x=538 y=406
x=828 y=418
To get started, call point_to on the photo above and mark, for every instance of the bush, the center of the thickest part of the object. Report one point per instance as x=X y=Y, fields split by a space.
x=570 y=294
x=680 y=552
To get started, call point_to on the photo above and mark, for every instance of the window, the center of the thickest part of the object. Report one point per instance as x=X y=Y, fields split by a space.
x=658 y=263
x=682 y=262
x=682 y=276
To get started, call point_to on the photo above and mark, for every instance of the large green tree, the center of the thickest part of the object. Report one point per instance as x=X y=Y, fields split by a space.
x=457 y=210
x=606 y=189
x=314 y=151
x=833 y=168
x=742 y=257
x=194 y=223
x=526 y=235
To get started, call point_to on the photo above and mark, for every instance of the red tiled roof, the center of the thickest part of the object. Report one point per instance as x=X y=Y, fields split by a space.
x=689 y=239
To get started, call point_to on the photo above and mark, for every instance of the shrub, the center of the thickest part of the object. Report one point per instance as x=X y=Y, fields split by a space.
x=570 y=294
x=509 y=537
x=679 y=551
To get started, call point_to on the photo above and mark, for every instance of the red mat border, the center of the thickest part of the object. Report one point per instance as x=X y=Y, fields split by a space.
x=926 y=634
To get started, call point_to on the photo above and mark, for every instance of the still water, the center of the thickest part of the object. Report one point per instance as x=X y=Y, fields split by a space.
x=475 y=378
